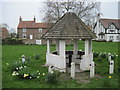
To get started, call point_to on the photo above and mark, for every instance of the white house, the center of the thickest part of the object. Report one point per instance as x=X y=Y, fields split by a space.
x=107 y=29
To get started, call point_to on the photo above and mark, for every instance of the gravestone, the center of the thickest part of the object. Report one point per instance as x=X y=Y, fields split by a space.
x=23 y=59
x=111 y=67
x=50 y=69
x=92 y=69
x=109 y=57
x=72 y=70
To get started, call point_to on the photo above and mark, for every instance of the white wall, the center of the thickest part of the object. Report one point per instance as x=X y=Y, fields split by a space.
x=85 y=62
x=56 y=61
x=107 y=36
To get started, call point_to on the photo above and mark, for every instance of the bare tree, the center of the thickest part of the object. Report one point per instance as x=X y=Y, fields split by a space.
x=87 y=11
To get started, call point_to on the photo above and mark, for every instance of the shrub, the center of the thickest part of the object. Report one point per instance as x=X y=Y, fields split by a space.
x=51 y=78
x=103 y=55
x=95 y=54
x=11 y=41
x=113 y=57
x=37 y=57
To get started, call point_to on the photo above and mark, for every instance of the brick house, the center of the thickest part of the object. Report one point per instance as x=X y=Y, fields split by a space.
x=4 y=33
x=31 y=32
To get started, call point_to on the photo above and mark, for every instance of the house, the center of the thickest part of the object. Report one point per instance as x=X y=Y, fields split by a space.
x=31 y=32
x=4 y=33
x=107 y=29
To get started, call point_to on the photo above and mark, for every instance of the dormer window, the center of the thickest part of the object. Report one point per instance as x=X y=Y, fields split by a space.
x=111 y=27
x=40 y=29
x=112 y=31
x=24 y=29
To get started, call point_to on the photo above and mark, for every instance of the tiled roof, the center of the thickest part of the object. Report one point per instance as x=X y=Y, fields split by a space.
x=32 y=24
x=107 y=22
x=69 y=26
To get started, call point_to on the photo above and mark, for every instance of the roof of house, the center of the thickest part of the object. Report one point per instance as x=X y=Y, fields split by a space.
x=3 y=29
x=69 y=26
x=33 y=24
x=107 y=22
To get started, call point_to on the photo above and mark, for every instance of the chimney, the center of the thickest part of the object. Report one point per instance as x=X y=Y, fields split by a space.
x=98 y=17
x=34 y=19
x=20 y=19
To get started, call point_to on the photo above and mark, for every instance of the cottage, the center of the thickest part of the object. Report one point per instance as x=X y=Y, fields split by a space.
x=107 y=29
x=69 y=27
x=31 y=31
x=4 y=33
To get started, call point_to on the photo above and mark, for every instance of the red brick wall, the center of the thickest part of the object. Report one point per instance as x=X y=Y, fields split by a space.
x=35 y=32
x=4 y=33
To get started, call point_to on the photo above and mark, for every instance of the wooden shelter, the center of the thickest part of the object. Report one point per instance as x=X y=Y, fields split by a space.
x=69 y=27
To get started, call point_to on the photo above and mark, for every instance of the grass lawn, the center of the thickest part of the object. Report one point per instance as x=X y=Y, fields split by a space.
x=13 y=53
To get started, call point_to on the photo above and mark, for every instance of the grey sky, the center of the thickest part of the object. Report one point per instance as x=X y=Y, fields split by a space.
x=11 y=11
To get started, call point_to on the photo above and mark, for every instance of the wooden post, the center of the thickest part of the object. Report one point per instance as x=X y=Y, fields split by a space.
x=62 y=47
x=86 y=47
x=57 y=46
x=75 y=47
x=48 y=46
x=90 y=45
x=72 y=70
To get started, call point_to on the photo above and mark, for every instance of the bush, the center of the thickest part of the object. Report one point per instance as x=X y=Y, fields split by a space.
x=37 y=57
x=95 y=54
x=100 y=40
x=51 y=78
x=10 y=41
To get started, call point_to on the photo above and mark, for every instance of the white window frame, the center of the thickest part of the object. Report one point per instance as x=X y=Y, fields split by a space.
x=24 y=36
x=117 y=37
x=24 y=29
x=40 y=29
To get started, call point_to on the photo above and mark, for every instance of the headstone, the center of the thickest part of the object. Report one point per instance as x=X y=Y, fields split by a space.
x=109 y=57
x=111 y=67
x=70 y=59
x=50 y=69
x=73 y=70
x=92 y=69
x=23 y=59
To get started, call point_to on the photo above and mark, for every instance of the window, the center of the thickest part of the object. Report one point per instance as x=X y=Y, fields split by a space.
x=111 y=37
x=112 y=27
x=101 y=36
x=112 y=31
x=24 y=36
x=31 y=36
x=117 y=37
x=40 y=29
x=24 y=29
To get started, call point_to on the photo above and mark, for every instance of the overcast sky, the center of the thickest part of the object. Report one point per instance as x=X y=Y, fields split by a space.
x=11 y=11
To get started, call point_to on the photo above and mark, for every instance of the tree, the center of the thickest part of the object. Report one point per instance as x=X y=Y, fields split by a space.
x=87 y=11
x=4 y=25
x=12 y=33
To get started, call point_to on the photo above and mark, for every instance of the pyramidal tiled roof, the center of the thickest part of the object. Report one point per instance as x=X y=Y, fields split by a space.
x=69 y=26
